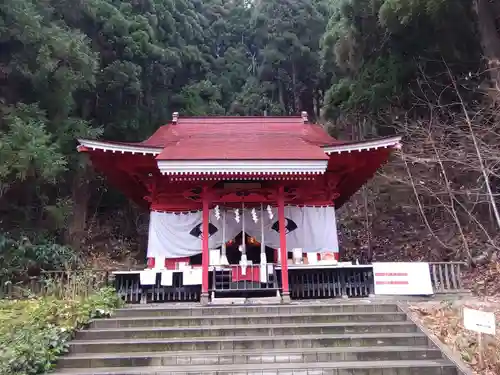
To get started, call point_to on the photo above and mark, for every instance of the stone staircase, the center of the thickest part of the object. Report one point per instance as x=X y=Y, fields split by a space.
x=338 y=339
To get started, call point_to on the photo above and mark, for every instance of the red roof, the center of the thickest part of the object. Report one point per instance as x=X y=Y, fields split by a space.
x=223 y=138
x=132 y=167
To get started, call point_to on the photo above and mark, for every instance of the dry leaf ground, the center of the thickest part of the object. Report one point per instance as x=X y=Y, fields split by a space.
x=444 y=319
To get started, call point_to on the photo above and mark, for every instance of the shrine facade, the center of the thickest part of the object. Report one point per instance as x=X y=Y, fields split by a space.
x=235 y=202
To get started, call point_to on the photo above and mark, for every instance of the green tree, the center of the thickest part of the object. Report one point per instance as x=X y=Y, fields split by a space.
x=374 y=51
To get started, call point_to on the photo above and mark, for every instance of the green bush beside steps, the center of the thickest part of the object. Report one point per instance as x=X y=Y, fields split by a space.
x=35 y=332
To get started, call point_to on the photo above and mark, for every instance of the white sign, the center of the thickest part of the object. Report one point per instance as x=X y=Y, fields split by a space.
x=402 y=279
x=479 y=321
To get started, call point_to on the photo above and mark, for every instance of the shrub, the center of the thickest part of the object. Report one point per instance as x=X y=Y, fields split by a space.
x=18 y=255
x=35 y=332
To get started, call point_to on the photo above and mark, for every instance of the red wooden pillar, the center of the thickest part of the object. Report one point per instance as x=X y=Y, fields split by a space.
x=283 y=249
x=204 y=246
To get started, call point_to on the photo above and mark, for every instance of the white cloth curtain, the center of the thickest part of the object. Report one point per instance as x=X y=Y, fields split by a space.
x=313 y=229
x=176 y=235
x=169 y=234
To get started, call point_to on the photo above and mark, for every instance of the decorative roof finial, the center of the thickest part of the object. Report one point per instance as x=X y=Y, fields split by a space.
x=175 y=117
x=304 y=117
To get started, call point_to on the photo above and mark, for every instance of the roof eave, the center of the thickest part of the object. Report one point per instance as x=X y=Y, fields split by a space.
x=389 y=142
x=88 y=144
x=218 y=167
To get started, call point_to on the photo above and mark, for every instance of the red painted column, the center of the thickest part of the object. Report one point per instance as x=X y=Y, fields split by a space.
x=204 y=246
x=283 y=249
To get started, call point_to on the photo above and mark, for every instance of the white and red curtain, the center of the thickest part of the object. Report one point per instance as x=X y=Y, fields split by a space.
x=179 y=235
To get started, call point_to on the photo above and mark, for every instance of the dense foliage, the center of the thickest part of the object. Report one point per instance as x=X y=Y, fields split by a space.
x=35 y=332
x=376 y=50
x=119 y=68
x=19 y=255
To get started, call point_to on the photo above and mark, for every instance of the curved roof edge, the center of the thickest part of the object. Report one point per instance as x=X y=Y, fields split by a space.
x=86 y=144
x=393 y=142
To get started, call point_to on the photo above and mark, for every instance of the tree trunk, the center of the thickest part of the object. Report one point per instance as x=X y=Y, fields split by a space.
x=296 y=94
x=487 y=13
x=318 y=103
x=80 y=197
x=281 y=95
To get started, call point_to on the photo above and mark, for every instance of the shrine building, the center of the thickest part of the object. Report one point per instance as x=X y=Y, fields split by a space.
x=241 y=206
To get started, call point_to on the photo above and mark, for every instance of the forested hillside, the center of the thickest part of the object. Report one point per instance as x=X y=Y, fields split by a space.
x=117 y=69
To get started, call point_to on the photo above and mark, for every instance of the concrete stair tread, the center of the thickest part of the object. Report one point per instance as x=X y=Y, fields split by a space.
x=299 y=338
x=237 y=309
x=248 y=316
x=266 y=366
x=356 y=349
x=253 y=326
x=310 y=303
x=250 y=338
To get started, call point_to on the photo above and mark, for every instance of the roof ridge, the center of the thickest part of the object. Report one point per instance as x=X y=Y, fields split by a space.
x=210 y=117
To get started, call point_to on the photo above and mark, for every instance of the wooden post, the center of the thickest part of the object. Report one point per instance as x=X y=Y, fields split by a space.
x=223 y=259
x=283 y=249
x=205 y=255
x=263 y=258
x=480 y=348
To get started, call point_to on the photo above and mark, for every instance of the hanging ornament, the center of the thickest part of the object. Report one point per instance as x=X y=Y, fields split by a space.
x=254 y=216
x=270 y=212
x=237 y=215
x=217 y=212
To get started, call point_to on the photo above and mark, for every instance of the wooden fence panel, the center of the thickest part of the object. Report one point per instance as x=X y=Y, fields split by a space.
x=61 y=284
x=446 y=277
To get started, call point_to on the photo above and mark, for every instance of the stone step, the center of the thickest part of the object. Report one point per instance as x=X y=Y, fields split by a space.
x=274 y=310
x=247 y=330
x=197 y=321
x=427 y=367
x=292 y=355
x=248 y=342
